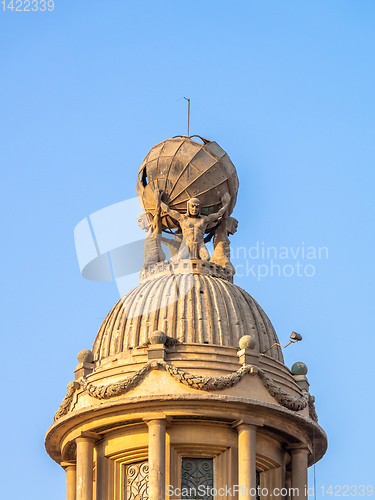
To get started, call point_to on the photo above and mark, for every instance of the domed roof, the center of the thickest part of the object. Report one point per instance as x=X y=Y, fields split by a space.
x=195 y=306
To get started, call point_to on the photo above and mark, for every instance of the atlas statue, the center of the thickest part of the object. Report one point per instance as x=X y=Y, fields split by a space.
x=221 y=255
x=194 y=225
x=153 y=250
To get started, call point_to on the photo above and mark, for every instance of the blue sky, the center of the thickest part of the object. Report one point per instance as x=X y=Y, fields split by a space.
x=286 y=88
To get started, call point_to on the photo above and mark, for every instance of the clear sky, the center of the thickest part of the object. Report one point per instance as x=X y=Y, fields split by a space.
x=287 y=89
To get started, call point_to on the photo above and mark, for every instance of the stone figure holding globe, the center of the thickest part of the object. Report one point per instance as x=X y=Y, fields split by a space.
x=153 y=250
x=188 y=190
x=193 y=225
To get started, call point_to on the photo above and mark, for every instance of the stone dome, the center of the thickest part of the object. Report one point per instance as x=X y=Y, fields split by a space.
x=194 y=305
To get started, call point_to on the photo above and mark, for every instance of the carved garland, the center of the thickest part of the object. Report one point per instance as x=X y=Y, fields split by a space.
x=194 y=381
x=67 y=401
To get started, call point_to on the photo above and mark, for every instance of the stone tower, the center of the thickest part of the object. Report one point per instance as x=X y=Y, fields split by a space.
x=185 y=393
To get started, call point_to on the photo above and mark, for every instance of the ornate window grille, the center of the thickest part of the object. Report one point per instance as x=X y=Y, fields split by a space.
x=197 y=478
x=137 y=481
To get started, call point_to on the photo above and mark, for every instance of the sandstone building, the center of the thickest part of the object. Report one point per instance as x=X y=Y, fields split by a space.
x=185 y=393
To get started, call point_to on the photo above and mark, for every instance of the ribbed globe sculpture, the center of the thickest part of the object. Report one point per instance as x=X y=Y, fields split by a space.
x=185 y=168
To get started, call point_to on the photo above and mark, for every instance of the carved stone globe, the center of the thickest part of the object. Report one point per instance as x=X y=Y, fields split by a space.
x=299 y=368
x=184 y=168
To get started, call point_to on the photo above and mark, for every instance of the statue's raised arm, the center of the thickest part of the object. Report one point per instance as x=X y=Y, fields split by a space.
x=214 y=217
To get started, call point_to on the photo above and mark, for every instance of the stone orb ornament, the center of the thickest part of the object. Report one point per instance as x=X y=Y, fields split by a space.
x=158 y=337
x=85 y=356
x=247 y=342
x=299 y=368
x=184 y=168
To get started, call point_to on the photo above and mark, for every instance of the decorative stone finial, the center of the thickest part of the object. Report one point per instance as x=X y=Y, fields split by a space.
x=247 y=342
x=183 y=167
x=299 y=368
x=85 y=356
x=158 y=337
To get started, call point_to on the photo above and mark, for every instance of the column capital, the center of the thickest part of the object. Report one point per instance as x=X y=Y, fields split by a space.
x=248 y=423
x=65 y=465
x=299 y=448
x=88 y=436
x=152 y=417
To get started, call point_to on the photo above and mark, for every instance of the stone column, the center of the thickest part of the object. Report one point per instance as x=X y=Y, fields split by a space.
x=85 y=465
x=70 y=470
x=299 y=454
x=288 y=484
x=247 y=461
x=156 y=456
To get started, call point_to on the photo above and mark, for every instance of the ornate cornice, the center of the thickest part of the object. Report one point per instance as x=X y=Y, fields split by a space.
x=198 y=382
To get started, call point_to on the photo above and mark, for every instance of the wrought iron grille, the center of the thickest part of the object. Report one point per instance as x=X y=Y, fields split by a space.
x=137 y=481
x=197 y=478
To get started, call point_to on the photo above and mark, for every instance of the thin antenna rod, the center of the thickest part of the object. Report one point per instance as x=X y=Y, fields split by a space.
x=188 y=121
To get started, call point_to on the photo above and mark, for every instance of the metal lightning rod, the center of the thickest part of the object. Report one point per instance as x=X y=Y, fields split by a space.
x=188 y=116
